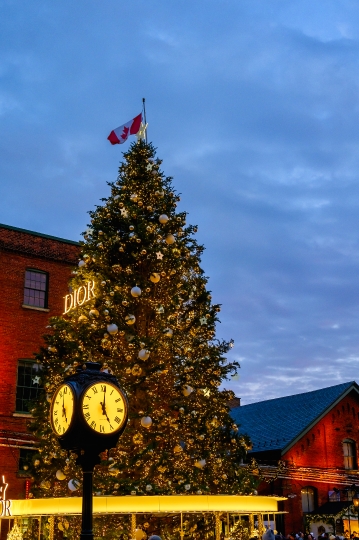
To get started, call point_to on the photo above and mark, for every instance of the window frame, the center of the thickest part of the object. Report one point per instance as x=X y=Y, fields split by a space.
x=24 y=459
x=350 y=457
x=46 y=298
x=30 y=362
x=311 y=504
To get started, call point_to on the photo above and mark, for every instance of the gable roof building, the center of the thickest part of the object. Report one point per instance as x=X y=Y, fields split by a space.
x=276 y=424
x=315 y=436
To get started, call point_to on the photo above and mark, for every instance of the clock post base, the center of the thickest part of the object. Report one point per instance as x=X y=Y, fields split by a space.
x=87 y=462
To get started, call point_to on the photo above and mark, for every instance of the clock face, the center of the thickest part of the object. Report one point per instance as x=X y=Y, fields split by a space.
x=62 y=409
x=104 y=407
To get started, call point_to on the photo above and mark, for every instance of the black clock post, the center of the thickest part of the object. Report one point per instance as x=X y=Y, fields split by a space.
x=94 y=426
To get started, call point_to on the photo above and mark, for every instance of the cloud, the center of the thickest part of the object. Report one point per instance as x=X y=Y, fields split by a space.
x=254 y=108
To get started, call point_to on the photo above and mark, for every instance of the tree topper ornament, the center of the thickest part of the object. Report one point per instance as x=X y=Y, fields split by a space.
x=141 y=134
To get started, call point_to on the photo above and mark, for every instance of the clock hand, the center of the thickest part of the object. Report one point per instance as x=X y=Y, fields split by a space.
x=63 y=408
x=104 y=403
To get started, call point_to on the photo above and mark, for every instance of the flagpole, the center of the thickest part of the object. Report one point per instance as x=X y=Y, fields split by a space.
x=144 y=115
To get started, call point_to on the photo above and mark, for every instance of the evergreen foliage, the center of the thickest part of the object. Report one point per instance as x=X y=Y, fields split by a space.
x=160 y=343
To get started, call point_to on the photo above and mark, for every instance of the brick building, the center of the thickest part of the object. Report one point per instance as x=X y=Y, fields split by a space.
x=316 y=436
x=34 y=273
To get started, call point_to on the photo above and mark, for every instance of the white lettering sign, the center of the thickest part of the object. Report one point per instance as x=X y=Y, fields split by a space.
x=5 y=505
x=79 y=296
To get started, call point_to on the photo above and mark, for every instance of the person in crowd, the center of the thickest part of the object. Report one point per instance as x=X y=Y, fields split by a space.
x=268 y=535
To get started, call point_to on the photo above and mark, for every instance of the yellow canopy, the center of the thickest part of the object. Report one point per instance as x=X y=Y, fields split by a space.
x=238 y=504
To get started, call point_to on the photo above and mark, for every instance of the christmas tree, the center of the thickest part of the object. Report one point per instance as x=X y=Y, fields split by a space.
x=151 y=322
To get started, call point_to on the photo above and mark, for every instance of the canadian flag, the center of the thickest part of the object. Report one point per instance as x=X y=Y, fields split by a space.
x=121 y=134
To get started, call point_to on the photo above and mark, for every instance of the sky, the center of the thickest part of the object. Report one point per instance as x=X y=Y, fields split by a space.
x=253 y=106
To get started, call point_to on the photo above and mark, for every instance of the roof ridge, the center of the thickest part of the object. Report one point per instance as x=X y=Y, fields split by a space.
x=42 y=235
x=347 y=384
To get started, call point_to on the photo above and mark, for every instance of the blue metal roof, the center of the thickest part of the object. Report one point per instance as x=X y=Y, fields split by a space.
x=275 y=423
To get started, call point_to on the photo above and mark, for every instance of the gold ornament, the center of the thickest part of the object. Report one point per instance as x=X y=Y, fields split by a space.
x=155 y=277
x=170 y=239
x=130 y=319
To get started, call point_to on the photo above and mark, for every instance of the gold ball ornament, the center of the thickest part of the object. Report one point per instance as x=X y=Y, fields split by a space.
x=155 y=277
x=94 y=312
x=187 y=390
x=177 y=449
x=200 y=463
x=130 y=319
x=137 y=438
x=134 y=197
x=163 y=219
x=60 y=475
x=170 y=239
x=136 y=370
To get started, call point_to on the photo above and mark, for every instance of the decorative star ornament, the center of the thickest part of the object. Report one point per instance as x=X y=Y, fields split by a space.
x=124 y=212
x=203 y=320
x=36 y=380
x=141 y=134
x=159 y=255
x=149 y=167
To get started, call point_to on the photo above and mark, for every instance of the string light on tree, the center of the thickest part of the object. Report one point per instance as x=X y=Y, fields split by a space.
x=152 y=322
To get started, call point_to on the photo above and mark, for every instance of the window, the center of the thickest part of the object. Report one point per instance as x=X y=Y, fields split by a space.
x=349 y=454
x=25 y=459
x=35 y=291
x=308 y=499
x=28 y=384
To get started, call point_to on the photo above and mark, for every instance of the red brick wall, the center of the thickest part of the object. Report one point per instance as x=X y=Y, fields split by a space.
x=321 y=447
x=21 y=329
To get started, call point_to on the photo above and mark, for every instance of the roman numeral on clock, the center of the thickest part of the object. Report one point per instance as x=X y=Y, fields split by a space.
x=87 y=415
x=117 y=419
x=102 y=429
x=93 y=424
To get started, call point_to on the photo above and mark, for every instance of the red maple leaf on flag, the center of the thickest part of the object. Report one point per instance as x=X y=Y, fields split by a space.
x=124 y=134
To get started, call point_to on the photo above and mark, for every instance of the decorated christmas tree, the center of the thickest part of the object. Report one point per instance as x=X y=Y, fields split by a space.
x=139 y=305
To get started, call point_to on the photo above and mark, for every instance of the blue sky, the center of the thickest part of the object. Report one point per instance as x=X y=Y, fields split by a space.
x=254 y=108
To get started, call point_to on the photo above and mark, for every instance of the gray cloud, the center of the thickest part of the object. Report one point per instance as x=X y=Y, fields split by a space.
x=254 y=108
